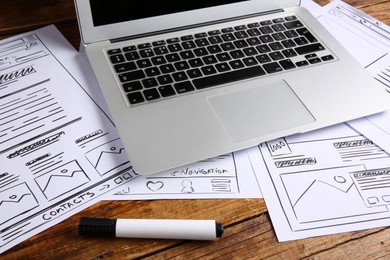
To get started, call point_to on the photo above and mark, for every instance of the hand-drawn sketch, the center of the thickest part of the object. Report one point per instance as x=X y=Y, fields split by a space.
x=323 y=182
x=62 y=180
x=225 y=176
x=101 y=156
x=56 y=159
x=366 y=38
x=16 y=200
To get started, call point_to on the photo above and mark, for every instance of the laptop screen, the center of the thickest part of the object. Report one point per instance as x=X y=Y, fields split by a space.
x=105 y=12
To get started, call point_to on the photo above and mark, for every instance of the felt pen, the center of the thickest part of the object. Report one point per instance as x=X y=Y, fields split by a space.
x=151 y=228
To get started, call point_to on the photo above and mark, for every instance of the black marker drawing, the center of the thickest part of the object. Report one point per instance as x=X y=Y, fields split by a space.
x=30 y=113
x=19 y=51
x=15 y=201
x=7 y=179
x=62 y=180
x=45 y=105
x=187 y=186
x=101 y=157
x=333 y=189
x=325 y=180
x=154 y=185
x=44 y=162
x=212 y=176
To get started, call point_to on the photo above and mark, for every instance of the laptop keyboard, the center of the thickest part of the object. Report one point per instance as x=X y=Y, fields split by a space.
x=171 y=67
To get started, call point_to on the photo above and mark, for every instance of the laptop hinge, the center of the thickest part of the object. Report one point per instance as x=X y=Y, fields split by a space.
x=193 y=26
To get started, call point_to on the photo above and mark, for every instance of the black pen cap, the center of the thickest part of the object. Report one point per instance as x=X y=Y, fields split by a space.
x=219 y=229
x=97 y=227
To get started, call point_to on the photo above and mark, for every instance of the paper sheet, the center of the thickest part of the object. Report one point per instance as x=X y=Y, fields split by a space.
x=59 y=152
x=328 y=181
x=366 y=38
x=226 y=176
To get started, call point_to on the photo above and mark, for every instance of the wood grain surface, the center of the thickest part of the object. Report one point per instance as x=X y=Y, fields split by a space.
x=248 y=229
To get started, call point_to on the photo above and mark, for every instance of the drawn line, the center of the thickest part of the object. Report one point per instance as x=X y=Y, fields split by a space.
x=300 y=197
x=18 y=101
x=49 y=166
x=105 y=152
x=16 y=202
x=40 y=98
x=42 y=159
x=63 y=201
x=82 y=144
x=14 y=232
x=30 y=102
x=39 y=148
x=26 y=88
x=41 y=135
x=10 y=181
x=33 y=122
x=59 y=176
x=21 y=134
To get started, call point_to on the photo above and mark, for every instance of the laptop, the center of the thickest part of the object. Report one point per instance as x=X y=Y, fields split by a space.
x=190 y=80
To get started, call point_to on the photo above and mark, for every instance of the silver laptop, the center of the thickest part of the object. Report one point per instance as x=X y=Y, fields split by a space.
x=190 y=80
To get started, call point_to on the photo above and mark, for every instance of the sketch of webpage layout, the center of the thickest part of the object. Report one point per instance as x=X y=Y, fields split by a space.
x=225 y=176
x=59 y=152
x=324 y=182
x=366 y=38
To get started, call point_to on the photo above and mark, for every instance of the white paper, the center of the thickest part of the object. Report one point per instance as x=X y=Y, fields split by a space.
x=328 y=181
x=225 y=176
x=59 y=152
x=366 y=38
x=376 y=128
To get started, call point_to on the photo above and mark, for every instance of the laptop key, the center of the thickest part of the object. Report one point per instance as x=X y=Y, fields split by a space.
x=183 y=87
x=302 y=63
x=228 y=77
x=151 y=94
x=135 y=98
x=132 y=75
x=132 y=86
x=272 y=67
x=114 y=51
x=166 y=91
x=309 y=48
x=327 y=57
x=117 y=58
x=315 y=60
x=304 y=32
x=293 y=24
x=287 y=64
x=222 y=67
x=125 y=67
x=132 y=55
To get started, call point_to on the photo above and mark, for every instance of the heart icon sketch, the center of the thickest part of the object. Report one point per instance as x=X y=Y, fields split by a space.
x=154 y=186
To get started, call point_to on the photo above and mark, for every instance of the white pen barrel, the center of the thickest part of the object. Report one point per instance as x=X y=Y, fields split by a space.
x=167 y=229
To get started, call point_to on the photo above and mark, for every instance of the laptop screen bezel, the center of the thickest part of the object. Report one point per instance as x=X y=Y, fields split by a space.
x=91 y=33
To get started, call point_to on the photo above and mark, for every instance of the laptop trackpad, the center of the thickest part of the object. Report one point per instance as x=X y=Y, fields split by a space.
x=261 y=110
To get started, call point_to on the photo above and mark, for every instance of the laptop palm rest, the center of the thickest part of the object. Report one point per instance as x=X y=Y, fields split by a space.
x=260 y=110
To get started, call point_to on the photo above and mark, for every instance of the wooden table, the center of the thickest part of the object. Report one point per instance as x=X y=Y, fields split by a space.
x=248 y=229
